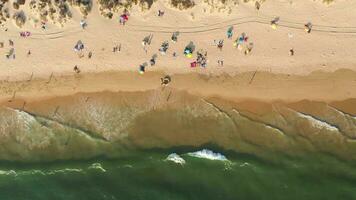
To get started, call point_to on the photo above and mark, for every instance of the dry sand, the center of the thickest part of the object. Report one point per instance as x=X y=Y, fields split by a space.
x=267 y=74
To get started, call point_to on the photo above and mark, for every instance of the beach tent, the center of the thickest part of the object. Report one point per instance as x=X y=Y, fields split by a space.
x=79 y=46
x=229 y=32
x=189 y=49
x=164 y=47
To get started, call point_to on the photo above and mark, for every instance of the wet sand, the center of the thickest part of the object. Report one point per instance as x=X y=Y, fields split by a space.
x=264 y=86
x=106 y=113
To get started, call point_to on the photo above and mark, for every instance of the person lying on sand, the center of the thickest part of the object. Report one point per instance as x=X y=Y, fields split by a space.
x=166 y=80
x=274 y=23
x=308 y=27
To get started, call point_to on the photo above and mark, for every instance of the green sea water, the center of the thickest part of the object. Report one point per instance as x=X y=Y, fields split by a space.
x=148 y=176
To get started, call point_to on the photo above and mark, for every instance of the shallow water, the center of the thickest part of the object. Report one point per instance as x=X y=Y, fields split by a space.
x=147 y=175
x=115 y=146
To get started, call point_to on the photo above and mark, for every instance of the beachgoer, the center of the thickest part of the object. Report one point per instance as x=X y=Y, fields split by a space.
x=142 y=68
x=160 y=13
x=308 y=27
x=11 y=43
x=83 y=24
x=153 y=60
x=114 y=49
x=274 y=23
x=291 y=52
x=164 y=47
x=43 y=25
x=28 y=53
x=165 y=80
x=221 y=44
x=76 y=69
x=90 y=54
x=174 y=37
x=257 y=5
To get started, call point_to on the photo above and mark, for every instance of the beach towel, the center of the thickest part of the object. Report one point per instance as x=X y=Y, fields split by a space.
x=189 y=55
x=193 y=64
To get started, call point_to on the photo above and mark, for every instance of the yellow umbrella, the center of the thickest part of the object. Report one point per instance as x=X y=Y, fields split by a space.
x=189 y=55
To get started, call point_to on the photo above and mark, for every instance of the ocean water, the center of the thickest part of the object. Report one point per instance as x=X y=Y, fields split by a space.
x=139 y=146
x=148 y=175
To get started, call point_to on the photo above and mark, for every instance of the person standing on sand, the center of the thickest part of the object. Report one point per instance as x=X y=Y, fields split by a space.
x=160 y=13
x=114 y=49
x=83 y=24
x=76 y=69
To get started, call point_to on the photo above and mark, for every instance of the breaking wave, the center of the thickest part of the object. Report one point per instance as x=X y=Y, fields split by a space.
x=97 y=166
x=175 y=158
x=317 y=123
x=208 y=154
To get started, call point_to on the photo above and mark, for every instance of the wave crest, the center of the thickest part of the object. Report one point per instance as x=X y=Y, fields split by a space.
x=208 y=154
x=175 y=158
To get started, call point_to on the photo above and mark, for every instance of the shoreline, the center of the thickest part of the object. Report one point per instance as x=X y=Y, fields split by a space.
x=255 y=85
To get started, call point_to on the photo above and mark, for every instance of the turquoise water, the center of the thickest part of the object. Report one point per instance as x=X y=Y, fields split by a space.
x=148 y=176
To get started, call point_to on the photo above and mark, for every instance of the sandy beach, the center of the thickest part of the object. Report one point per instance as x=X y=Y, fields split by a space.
x=177 y=99
x=330 y=45
x=328 y=48
x=287 y=73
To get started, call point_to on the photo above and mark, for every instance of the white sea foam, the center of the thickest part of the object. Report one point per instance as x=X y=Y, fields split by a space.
x=25 y=118
x=7 y=173
x=208 y=154
x=245 y=164
x=175 y=158
x=97 y=166
x=317 y=123
x=64 y=171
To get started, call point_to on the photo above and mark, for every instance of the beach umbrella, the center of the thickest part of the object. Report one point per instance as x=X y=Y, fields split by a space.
x=189 y=55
